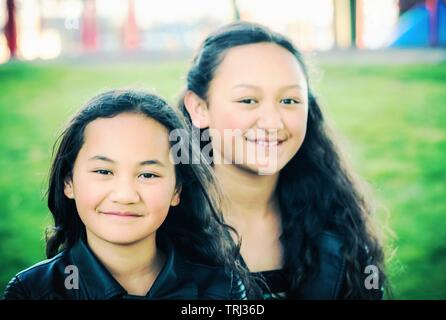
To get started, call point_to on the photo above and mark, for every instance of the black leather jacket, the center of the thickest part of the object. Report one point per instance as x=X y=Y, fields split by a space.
x=178 y=279
x=328 y=284
x=330 y=281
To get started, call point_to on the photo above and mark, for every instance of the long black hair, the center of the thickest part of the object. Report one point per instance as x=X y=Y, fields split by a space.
x=316 y=191
x=195 y=226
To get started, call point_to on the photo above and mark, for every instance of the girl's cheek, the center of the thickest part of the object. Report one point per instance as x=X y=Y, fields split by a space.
x=89 y=198
x=158 y=198
x=89 y=193
x=227 y=116
x=297 y=122
x=232 y=121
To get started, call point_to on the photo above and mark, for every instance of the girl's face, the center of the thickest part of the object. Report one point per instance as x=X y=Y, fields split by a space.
x=260 y=93
x=123 y=180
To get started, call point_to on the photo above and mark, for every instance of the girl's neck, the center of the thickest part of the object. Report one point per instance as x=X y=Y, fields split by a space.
x=134 y=266
x=248 y=195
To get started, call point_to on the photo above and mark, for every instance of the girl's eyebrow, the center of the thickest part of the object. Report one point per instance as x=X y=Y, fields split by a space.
x=242 y=85
x=151 y=162
x=142 y=163
x=102 y=158
x=291 y=86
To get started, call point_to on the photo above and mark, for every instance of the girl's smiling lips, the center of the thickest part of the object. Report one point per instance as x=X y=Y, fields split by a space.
x=266 y=139
x=122 y=214
x=266 y=142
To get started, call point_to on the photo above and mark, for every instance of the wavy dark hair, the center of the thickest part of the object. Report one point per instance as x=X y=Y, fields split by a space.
x=316 y=191
x=195 y=226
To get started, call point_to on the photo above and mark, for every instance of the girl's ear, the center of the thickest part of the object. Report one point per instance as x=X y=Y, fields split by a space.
x=176 y=197
x=68 y=188
x=197 y=108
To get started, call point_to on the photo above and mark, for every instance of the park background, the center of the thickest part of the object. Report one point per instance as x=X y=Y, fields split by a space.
x=377 y=66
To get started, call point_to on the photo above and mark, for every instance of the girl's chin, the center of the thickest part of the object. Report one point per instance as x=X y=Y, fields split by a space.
x=119 y=240
x=261 y=169
x=122 y=236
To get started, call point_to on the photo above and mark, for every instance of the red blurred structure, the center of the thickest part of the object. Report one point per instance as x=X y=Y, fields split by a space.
x=89 y=28
x=131 y=36
x=10 y=29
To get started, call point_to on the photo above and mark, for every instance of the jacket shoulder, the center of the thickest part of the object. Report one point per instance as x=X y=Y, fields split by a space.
x=218 y=283
x=212 y=282
x=330 y=283
x=331 y=243
x=15 y=290
x=37 y=281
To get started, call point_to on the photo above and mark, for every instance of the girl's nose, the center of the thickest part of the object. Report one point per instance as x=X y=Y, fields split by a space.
x=124 y=192
x=270 y=118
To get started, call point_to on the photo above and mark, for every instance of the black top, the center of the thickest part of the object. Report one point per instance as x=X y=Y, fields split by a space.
x=274 y=284
x=178 y=279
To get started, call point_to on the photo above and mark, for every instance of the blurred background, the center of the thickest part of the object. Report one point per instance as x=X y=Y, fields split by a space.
x=378 y=67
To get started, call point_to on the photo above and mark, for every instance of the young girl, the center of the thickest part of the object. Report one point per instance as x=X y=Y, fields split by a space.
x=303 y=221
x=129 y=223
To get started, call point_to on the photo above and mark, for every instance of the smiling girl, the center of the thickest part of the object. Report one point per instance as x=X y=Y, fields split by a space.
x=303 y=221
x=129 y=222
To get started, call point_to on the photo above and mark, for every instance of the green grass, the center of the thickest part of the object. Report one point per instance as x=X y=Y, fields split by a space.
x=392 y=120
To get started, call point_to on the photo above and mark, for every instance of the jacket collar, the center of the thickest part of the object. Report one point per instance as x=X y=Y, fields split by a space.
x=178 y=279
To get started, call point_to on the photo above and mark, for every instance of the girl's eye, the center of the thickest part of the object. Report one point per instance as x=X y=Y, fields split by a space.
x=289 y=101
x=103 y=172
x=248 y=101
x=148 y=175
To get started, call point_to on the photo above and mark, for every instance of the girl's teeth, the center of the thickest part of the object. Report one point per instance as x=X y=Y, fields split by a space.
x=265 y=143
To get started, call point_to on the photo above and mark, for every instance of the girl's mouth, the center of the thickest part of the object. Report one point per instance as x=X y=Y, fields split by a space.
x=266 y=142
x=124 y=214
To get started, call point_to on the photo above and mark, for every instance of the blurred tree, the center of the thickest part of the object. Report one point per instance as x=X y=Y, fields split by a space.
x=353 y=23
x=236 y=10
x=345 y=21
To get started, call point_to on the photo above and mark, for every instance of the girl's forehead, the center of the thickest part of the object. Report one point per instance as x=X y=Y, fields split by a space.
x=127 y=133
x=127 y=121
x=256 y=52
x=265 y=64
